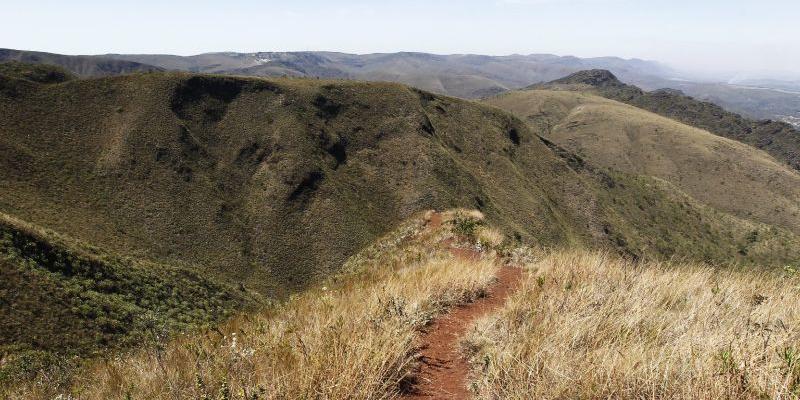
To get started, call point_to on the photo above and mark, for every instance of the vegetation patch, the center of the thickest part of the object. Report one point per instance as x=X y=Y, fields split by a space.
x=60 y=299
x=39 y=73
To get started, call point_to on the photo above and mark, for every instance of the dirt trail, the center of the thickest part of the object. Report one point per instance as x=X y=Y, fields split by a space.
x=443 y=371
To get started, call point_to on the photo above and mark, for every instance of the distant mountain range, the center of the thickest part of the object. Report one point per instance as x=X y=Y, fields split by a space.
x=459 y=75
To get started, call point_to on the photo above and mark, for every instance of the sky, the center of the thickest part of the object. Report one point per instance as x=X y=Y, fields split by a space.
x=706 y=36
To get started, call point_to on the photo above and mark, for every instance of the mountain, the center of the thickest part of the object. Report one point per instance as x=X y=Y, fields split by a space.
x=722 y=173
x=170 y=200
x=477 y=76
x=39 y=73
x=779 y=139
x=761 y=102
x=468 y=76
x=80 y=65
x=461 y=75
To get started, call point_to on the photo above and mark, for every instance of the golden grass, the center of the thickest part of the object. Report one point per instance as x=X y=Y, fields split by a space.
x=726 y=174
x=490 y=237
x=353 y=338
x=588 y=325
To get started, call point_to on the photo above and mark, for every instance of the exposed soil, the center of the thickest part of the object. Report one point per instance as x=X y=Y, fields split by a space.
x=443 y=371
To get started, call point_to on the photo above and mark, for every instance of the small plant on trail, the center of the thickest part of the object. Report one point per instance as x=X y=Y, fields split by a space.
x=465 y=225
x=728 y=365
x=791 y=359
x=224 y=390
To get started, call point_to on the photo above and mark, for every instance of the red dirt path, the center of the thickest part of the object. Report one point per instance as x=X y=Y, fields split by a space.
x=443 y=372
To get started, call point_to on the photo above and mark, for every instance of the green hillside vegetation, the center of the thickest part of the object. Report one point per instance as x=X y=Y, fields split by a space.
x=60 y=298
x=779 y=139
x=84 y=66
x=41 y=73
x=353 y=336
x=656 y=220
x=619 y=325
x=723 y=173
x=189 y=196
x=267 y=183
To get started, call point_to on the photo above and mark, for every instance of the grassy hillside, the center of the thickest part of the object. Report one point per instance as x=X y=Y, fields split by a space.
x=354 y=336
x=779 y=139
x=270 y=183
x=184 y=186
x=267 y=183
x=79 y=65
x=61 y=298
x=725 y=174
x=589 y=325
x=40 y=73
x=583 y=324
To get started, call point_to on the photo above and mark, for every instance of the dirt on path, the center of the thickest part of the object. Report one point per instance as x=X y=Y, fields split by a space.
x=443 y=372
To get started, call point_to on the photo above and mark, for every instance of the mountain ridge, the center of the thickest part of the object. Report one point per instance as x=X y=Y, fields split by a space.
x=260 y=188
x=85 y=66
x=780 y=139
x=461 y=75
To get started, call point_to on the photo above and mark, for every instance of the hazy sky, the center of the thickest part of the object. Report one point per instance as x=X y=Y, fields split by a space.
x=699 y=34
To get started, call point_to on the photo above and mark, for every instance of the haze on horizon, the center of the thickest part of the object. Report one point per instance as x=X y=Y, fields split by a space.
x=714 y=37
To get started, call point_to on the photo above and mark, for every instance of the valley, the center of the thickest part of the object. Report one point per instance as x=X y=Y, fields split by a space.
x=193 y=235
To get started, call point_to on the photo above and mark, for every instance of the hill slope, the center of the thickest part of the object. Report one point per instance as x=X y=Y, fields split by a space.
x=780 y=139
x=60 y=297
x=39 y=73
x=722 y=173
x=79 y=65
x=407 y=312
x=265 y=182
x=272 y=182
x=268 y=185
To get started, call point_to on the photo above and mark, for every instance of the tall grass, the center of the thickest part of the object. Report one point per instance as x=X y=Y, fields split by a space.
x=587 y=325
x=355 y=337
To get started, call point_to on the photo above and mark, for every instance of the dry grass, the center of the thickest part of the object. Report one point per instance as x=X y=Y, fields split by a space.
x=490 y=237
x=587 y=325
x=353 y=338
x=723 y=173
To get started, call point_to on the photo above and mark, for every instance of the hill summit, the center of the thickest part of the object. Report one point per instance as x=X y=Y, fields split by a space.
x=779 y=139
x=592 y=77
